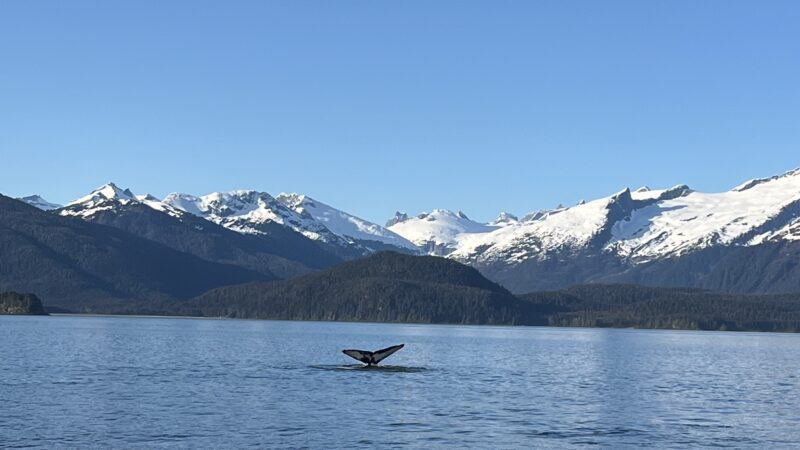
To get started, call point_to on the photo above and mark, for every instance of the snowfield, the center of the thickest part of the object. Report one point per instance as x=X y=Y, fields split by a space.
x=439 y=231
x=699 y=220
x=657 y=224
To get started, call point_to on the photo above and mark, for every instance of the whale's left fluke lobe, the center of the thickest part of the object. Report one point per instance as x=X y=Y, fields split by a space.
x=372 y=358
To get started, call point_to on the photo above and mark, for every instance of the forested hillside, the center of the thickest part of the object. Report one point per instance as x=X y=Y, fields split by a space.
x=646 y=307
x=386 y=287
x=16 y=303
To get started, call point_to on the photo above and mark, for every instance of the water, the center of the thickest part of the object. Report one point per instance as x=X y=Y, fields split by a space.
x=157 y=382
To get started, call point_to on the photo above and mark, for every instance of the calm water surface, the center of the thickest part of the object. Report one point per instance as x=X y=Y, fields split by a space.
x=156 y=382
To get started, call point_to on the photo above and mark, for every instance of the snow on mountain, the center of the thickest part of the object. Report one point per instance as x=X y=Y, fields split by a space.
x=39 y=202
x=246 y=211
x=571 y=228
x=341 y=223
x=504 y=219
x=101 y=199
x=439 y=231
x=698 y=220
x=635 y=226
x=790 y=232
x=648 y=224
x=108 y=197
x=397 y=218
x=542 y=213
x=159 y=205
x=185 y=202
x=108 y=191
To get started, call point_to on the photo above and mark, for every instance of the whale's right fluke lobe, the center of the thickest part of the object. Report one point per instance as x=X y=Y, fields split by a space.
x=382 y=354
x=371 y=358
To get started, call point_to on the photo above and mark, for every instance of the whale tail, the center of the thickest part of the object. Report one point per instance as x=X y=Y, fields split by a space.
x=372 y=358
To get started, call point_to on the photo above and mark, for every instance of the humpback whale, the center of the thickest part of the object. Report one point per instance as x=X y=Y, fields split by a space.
x=372 y=358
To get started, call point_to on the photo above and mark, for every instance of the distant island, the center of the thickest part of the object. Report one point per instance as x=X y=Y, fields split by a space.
x=20 y=304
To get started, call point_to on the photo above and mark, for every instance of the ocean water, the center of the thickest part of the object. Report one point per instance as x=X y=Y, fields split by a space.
x=116 y=382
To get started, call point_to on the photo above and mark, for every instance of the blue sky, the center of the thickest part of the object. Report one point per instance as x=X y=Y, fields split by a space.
x=378 y=106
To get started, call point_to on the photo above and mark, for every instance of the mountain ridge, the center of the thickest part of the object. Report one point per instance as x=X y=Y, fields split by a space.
x=78 y=265
x=629 y=235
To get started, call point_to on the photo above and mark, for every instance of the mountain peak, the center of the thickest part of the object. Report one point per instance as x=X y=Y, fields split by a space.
x=621 y=194
x=504 y=218
x=292 y=197
x=147 y=198
x=108 y=191
x=111 y=190
x=297 y=202
x=110 y=197
x=397 y=218
x=39 y=202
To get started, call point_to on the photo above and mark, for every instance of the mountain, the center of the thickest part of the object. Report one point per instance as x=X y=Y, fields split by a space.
x=385 y=287
x=698 y=239
x=573 y=229
x=39 y=202
x=743 y=240
x=275 y=252
x=83 y=266
x=351 y=228
x=437 y=232
x=252 y=212
x=768 y=268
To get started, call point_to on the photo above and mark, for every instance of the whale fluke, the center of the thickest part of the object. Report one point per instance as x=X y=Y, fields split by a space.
x=372 y=358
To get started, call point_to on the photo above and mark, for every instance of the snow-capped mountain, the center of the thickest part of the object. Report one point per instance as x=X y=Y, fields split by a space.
x=247 y=212
x=645 y=225
x=438 y=232
x=567 y=230
x=674 y=236
x=254 y=213
x=612 y=238
x=637 y=226
x=109 y=196
x=343 y=224
x=39 y=202
x=276 y=251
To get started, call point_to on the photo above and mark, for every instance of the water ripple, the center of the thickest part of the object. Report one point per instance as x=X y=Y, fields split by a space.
x=161 y=383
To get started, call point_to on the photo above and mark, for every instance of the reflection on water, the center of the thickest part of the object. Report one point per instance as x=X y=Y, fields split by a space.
x=146 y=382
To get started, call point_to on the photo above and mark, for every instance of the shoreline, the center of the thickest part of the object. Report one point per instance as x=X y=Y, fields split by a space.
x=147 y=316
x=141 y=316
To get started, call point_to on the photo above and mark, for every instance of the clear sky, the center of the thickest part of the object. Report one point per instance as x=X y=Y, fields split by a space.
x=379 y=106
